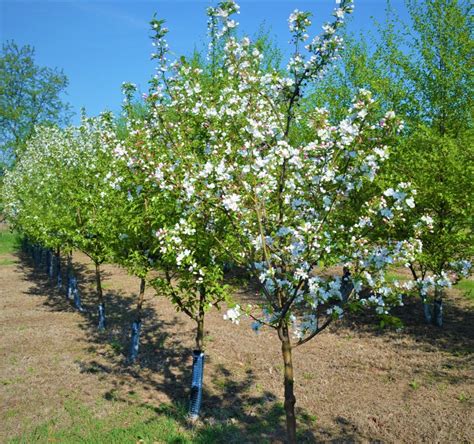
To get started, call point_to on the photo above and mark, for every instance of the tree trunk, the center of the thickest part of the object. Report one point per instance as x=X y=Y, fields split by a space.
x=290 y=399
x=200 y=334
x=51 y=264
x=69 y=275
x=59 y=277
x=141 y=297
x=426 y=310
x=137 y=324
x=438 y=308
x=100 y=296
x=200 y=320
x=198 y=361
x=98 y=283
x=75 y=293
x=426 y=306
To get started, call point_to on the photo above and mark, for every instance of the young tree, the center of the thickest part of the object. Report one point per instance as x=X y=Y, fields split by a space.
x=183 y=250
x=91 y=199
x=134 y=219
x=256 y=177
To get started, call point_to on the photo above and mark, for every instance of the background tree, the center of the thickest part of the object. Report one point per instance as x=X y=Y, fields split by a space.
x=424 y=72
x=29 y=95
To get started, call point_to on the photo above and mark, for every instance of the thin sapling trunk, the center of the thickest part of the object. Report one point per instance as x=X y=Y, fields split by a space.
x=438 y=307
x=137 y=323
x=290 y=399
x=426 y=306
x=69 y=276
x=100 y=296
x=198 y=360
x=59 y=277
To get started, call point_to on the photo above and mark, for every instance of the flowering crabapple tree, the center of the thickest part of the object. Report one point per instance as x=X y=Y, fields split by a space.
x=137 y=214
x=91 y=200
x=294 y=193
x=185 y=248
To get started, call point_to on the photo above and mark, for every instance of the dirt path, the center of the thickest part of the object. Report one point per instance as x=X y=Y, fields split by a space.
x=351 y=385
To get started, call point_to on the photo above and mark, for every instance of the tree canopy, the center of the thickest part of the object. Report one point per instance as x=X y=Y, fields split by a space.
x=29 y=95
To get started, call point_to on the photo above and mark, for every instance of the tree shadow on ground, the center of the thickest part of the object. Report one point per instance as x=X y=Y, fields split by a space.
x=232 y=410
x=120 y=309
x=236 y=414
x=456 y=336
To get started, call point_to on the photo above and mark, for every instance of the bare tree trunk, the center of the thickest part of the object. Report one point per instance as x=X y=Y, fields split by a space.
x=141 y=297
x=200 y=320
x=59 y=277
x=98 y=282
x=426 y=306
x=69 y=288
x=290 y=399
x=426 y=310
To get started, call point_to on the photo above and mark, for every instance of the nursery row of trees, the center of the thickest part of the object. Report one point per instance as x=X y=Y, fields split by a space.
x=229 y=161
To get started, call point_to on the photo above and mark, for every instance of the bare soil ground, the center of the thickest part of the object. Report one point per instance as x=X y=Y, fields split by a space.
x=353 y=384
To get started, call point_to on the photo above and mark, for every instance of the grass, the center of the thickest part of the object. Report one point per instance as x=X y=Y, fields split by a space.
x=4 y=261
x=466 y=286
x=129 y=423
x=9 y=242
x=463 y=397
x=117 y=346
x=394 y=275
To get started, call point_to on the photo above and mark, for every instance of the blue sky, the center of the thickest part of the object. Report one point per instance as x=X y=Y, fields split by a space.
x=100 y=44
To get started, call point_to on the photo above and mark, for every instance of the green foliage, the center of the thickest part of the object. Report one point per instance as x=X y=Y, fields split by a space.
x=424 y=73
x=29 y=96
x=388 y=321
x=264 y=42
x=440 y=167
